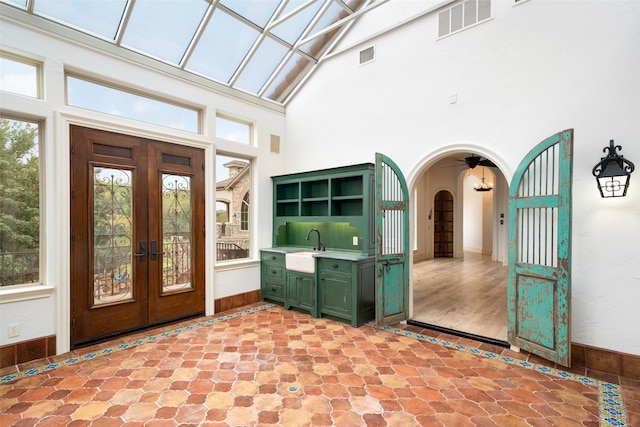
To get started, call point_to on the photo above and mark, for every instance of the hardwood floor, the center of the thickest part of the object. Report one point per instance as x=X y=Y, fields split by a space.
x=465 y=294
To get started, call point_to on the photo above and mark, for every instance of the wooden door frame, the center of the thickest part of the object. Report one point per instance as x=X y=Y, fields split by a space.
x=59 y=243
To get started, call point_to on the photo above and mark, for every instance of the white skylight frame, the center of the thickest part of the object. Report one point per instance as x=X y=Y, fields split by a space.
x=285 y=29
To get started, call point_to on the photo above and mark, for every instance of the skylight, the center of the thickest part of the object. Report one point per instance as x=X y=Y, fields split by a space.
x=253 y=46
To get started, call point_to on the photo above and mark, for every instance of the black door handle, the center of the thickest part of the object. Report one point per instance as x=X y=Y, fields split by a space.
x=154 y=247
x=143 y=251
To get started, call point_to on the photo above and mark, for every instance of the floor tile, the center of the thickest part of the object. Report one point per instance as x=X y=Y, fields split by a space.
x=267 y=366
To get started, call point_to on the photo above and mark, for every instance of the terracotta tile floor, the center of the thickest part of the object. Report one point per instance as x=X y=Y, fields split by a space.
x=270 y=367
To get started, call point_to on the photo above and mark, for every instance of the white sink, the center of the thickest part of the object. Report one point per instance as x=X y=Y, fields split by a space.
x=304 y=262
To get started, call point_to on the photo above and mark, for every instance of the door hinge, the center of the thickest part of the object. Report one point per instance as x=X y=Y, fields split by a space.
x=73 y=148
x=73 y=235
x=73 y=323
x=73 y=194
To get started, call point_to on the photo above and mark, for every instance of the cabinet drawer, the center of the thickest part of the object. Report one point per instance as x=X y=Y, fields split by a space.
x=273 y=257
x=271 y=289
x=335 y=265
x=273 y=271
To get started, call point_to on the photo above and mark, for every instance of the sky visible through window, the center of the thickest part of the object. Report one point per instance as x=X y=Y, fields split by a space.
x=18 y=77
x=244 y=44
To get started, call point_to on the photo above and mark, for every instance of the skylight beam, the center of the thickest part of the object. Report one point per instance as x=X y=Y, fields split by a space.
x=342 y=21
x=337 y=39
x=198 y=34
x=256 y=45
x=124 y=21
x=295 y=11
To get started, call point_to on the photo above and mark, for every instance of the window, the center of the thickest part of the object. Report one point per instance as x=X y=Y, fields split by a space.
x=463 y=15
x=93 y=96
x=233 y=222
x=244 y=213
x=19 y=202
x=233 y=130
x=19 y=76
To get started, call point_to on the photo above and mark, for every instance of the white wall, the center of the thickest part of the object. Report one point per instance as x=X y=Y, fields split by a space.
x=533 y=70
x=48 y=313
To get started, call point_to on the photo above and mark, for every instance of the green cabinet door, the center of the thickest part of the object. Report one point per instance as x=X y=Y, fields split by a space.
x=335 y=294
x=300 y=292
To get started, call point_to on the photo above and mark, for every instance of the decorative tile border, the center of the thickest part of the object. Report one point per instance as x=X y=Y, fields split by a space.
x=613 y=412
x=135 y=343
x=610 y=401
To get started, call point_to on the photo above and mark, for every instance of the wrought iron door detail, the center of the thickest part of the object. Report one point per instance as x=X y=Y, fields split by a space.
x=112 y=235
x=176 y=233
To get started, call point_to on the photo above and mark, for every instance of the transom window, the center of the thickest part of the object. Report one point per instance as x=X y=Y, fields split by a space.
x=105 y=99
x=19 y=75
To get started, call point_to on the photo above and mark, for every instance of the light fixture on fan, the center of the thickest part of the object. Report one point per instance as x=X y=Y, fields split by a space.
x=483 y=186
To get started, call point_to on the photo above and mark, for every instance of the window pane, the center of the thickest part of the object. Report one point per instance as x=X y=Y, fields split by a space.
x=93 y=96
x=233 y=130
x=257 y=12
x=19 y=203
x=290 y=29
x=233 y=181
x=101 y=17
x=216 y=55
x=18 y=77
x=164 y=29
x=262 y=64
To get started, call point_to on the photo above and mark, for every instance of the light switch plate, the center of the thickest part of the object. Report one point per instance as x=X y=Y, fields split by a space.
x=355 y=240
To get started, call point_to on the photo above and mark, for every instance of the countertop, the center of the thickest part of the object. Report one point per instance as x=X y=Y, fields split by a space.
x=345 y=255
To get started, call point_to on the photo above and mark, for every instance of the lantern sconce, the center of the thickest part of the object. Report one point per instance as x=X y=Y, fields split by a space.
x=613 y=172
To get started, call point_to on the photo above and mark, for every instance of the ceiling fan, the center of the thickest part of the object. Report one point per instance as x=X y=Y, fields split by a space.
x=472 y=161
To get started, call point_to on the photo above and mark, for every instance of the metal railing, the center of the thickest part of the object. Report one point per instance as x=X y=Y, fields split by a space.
x=227 y=251
x=18 y=268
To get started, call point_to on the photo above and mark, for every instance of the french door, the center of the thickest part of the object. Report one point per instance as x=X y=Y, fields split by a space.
x=137 y=243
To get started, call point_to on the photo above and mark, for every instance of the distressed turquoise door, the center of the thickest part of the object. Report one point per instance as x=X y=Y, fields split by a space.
x=539 y=289
x=392 y=243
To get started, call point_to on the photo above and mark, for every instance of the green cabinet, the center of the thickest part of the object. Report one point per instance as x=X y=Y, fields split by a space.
x=272 y=276
x=339 y=202
x=301 y=292
x=347 y=289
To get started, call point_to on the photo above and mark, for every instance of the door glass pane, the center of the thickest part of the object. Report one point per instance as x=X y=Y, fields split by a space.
x=176 y=233
x=112 y=235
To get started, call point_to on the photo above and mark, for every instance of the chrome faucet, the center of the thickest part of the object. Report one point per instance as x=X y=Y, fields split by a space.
x=320 y=246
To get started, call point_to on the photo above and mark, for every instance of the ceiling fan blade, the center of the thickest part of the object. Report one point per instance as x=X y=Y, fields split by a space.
x=488 y=163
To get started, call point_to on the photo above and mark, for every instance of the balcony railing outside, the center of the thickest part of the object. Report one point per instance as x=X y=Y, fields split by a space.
x=19 y=268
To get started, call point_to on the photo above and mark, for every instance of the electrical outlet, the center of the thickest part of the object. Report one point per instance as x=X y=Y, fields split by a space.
x=14 y=330
x=355 y=240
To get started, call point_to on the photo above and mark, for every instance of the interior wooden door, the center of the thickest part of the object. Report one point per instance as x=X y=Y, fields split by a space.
x=443 y=225
x=137 y=221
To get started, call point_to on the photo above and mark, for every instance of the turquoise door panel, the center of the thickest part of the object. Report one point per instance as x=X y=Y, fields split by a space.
x=392 y=242
x=539 y=278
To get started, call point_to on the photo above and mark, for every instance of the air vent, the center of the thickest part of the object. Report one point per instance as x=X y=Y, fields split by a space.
x=367 y=55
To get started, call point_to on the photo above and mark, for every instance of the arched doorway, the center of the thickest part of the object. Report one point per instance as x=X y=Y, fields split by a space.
x=459 y=274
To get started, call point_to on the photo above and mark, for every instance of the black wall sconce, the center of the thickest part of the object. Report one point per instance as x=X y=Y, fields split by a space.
x=613 y=172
